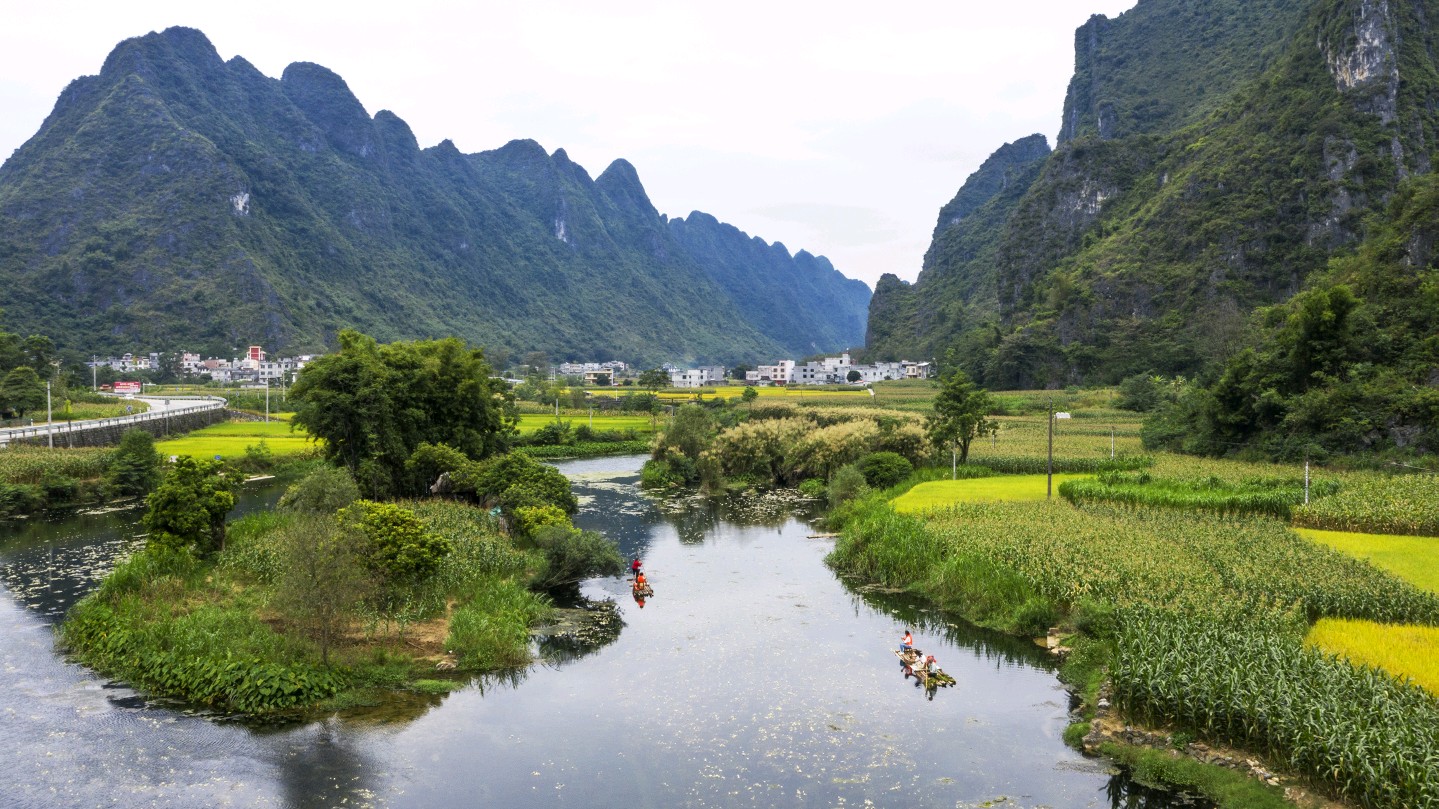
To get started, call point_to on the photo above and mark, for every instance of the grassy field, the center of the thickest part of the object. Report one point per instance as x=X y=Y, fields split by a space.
x=1401 y=649
x=230 y=439
x=1414 y=559
x=1004 y=488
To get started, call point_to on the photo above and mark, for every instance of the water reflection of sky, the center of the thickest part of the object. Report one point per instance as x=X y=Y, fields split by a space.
x=752 y=678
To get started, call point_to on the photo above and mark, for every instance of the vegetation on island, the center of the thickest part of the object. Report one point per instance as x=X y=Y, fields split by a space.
x=344 y=590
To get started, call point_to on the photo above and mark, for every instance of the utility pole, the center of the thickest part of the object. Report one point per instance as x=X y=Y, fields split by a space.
x=49 y=418
x=94 y=376
x=267 y=400
x=1306 y=478
x=1049 y=479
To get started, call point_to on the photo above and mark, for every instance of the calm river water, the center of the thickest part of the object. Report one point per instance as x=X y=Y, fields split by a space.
x=754 y=677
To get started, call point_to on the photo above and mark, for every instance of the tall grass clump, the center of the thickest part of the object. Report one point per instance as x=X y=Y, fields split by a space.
x=490 y=631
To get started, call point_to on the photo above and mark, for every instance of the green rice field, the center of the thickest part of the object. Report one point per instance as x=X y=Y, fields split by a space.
x=230 y=439
x=938 y=494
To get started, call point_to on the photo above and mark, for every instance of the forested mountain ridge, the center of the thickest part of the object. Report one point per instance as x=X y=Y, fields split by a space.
x=179 y=200
x=1166 y=215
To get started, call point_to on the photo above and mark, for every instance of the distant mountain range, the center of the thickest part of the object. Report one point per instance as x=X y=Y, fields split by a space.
x=177 y=200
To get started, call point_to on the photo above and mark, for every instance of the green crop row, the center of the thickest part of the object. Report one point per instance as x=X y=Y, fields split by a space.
x=1270 y=498
x=1198 y=563
x=1402 y=504
x=1358 y=729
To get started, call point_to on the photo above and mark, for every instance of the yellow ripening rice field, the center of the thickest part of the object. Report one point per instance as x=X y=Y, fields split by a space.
x=1414 y=559
x=1004 y=488
x=1403 y=650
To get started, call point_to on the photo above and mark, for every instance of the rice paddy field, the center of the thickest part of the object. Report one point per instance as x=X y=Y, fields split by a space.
x=1403 y=650
x=940 y=494
x=1413 y=559
x=229 y=440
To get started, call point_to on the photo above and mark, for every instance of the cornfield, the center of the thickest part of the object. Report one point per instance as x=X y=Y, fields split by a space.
x=1269 y=498
x=1373 y=739
x=1201 y=564
x=1401 y=504
x=31 y=465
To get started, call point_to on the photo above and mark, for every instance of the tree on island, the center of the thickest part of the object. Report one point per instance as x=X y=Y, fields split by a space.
x=961 y=414
x=372 y=405
x=188 y=508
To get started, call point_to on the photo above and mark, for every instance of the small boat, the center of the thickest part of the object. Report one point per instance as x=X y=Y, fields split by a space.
x=913 y=660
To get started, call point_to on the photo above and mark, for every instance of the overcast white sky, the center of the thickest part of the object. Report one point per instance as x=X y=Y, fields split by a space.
x=838 y=127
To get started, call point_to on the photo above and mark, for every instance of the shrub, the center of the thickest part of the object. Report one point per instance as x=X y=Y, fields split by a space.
x=135 y=466
x=882 y=470
x=554 y=433
x=572 y=555
x=847 y=484
x=400 y=549
x=324 y=491
x=515 y=480
x=812 y=487
x=529 y=519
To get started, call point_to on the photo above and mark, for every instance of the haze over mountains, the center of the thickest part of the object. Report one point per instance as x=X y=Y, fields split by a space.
x=179 y=200
x=1214 y=156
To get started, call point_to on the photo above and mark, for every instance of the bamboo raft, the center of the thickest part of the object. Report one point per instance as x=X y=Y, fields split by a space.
x=913 y=660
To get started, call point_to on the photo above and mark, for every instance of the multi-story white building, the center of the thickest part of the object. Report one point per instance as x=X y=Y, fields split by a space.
x=697 y=377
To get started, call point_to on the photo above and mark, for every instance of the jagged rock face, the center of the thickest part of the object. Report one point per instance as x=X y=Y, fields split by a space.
x=1164 y=217
x=180 y=201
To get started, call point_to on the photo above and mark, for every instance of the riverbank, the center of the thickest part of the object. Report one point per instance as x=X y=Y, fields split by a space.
x=1141 y=592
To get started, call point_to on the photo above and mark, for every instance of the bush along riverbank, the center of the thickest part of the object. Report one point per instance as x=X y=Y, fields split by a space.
x=331 y=600
x=1186 y=622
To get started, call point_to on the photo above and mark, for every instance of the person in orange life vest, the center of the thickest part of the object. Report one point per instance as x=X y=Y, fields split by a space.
x=907 y=642
x=640 y=581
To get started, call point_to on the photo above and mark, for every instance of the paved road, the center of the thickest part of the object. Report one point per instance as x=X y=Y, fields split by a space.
x=160 y=407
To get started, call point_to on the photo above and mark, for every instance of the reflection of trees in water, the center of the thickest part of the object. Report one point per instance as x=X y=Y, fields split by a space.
x=586 y=627
x=1124 y=792
x=318 y=768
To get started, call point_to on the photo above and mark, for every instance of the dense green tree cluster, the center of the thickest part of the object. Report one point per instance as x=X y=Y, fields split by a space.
x=373 y=405
x=1351 y=365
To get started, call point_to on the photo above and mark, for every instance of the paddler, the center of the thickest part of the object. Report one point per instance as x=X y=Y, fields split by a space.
x=907 y=642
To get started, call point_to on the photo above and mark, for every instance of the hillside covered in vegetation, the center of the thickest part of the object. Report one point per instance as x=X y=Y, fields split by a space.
x=179 y=200
x=1215 y=158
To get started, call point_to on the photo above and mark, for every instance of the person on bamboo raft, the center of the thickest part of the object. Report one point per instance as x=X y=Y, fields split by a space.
x=640 y=582
x=635 y=566
x=907 y=642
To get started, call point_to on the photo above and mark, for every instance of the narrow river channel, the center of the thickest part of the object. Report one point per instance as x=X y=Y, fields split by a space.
x=753 y=677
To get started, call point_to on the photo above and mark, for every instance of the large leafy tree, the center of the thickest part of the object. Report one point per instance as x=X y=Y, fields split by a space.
x=22 y=391
x=372 y=405
x=961 y=414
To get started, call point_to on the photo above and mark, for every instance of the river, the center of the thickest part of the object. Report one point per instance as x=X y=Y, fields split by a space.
x=753 y=677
